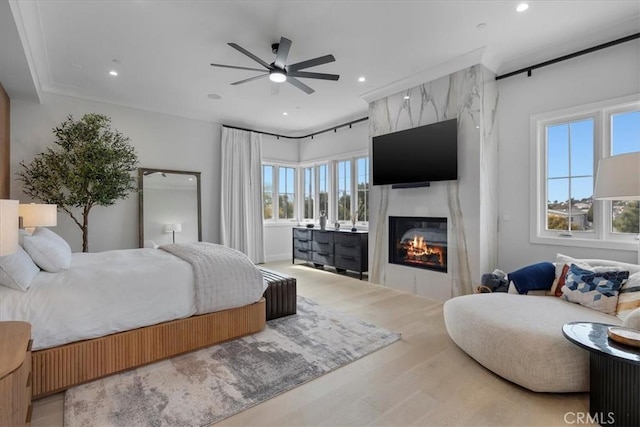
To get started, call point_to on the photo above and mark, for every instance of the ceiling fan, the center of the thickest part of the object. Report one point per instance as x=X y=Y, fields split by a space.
x=278 y=71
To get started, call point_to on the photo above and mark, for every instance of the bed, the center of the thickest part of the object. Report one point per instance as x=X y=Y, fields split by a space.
x=115 y=310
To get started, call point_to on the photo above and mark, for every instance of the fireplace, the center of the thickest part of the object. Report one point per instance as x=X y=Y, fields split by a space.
x=418 y=242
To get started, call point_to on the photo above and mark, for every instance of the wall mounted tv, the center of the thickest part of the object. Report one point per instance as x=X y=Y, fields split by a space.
x=415 y=157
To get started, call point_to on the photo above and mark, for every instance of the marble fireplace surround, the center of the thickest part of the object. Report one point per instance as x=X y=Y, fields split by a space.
x=471 y=96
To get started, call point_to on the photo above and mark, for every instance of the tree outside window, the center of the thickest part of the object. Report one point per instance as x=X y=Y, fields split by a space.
x=267 y=191
x=344 y=190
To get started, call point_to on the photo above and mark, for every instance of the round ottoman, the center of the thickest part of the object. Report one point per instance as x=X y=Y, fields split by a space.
x=519 y=337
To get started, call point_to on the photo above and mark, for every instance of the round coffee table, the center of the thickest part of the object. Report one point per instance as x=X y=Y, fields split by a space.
x=614 y=374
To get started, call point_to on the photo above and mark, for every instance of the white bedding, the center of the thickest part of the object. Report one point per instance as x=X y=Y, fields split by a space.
x=102 y=293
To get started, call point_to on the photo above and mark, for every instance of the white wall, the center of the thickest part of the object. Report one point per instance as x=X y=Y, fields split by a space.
x=335 y=144
x=326 y=146
x=283 y=149
x=160 y=140
x=601 y=75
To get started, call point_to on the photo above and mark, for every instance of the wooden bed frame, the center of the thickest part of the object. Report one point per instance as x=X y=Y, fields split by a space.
x=58 y=368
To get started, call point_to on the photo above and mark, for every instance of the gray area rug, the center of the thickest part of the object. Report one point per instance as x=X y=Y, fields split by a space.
x=206 y=386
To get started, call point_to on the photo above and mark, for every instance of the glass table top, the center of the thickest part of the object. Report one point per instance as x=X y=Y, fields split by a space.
x=593 y=337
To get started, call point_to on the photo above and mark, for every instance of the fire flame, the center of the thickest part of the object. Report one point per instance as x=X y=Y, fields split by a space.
x=418 y=250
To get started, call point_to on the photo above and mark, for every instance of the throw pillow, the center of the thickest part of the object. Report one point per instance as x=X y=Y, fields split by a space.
x=556 y=288
x=17 y=270
x=629 y=298
x=596 y=290
x=48 y=250
x=535 y=277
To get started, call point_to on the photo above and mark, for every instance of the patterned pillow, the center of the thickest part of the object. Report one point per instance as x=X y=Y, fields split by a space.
x=629 y=298
x=596 y=290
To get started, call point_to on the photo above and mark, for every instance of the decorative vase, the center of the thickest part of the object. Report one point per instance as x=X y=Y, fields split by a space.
x=323 y=220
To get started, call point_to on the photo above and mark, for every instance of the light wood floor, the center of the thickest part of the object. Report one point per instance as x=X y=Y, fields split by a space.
x=422 y=380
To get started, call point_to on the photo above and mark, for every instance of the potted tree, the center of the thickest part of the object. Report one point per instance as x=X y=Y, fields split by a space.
x=89 y=166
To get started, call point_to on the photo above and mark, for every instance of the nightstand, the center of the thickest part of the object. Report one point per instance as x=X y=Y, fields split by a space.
x=15 y=374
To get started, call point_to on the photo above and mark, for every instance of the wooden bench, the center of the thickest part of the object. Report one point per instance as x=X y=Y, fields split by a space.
x=281 y=295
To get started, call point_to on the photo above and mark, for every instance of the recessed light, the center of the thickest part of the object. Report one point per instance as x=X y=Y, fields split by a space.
x=285 y=113
x=190 y=179
x=113 y=73
x=522 y=7
x=116 y=61
x=481 y=26
x=361 y=79
x=214 y=96
x=407 y=97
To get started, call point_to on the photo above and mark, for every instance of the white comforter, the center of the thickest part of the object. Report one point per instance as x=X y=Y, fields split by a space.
x=102 y=293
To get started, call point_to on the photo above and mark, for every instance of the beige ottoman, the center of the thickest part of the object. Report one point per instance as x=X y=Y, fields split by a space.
x=519 y=337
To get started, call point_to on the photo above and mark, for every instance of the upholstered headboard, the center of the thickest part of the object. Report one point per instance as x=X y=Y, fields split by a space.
x=4 y=144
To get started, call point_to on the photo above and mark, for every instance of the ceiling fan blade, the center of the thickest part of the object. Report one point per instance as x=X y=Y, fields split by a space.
x=250 y=55
x=311 y=63
x=275 y=88
x=283 y=53
x=236 y=68
x=250 y=79
x=297 y=83
x=321 y=76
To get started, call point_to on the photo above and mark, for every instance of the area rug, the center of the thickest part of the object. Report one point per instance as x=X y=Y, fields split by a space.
x=206 y=386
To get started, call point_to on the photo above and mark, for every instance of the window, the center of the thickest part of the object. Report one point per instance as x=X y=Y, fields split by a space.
x=625 y=138
x=568 y=145
x=362 y=188
x=267 y=191
x=323 y=188
x=570 y=175
x=309 y=192
x=278 y=192
x=343 y=190
x=286 y=192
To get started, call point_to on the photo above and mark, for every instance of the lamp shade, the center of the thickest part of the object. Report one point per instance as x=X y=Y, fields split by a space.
x=618 y=178
x=39 y=215
x=168 y=228
x=8 y=227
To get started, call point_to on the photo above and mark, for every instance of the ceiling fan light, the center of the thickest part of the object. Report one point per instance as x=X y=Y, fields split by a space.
x=277 y=76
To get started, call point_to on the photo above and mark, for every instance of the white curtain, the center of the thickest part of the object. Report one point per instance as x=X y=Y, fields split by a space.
x=241 y=193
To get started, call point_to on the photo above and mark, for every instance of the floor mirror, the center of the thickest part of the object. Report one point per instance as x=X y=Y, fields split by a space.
x=169 y=207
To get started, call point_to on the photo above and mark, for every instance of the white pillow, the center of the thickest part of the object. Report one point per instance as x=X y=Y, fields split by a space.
x=17 y=270
x=48 y=250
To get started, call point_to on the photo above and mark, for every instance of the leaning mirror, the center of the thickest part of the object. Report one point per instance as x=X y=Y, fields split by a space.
x=169 y=207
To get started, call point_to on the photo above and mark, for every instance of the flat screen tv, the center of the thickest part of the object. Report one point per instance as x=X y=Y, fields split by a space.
x=417 y=156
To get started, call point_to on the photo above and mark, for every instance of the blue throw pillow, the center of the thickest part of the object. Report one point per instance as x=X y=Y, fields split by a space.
x=598 y=291
x=535 y=277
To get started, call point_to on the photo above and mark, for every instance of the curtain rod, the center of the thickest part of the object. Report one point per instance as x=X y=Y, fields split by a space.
x=570 y=56
x=311 y=135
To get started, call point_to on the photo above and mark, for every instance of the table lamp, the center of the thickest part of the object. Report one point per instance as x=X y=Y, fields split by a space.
x=8 y=227
x=618 y=178
x=173 y=228
x=34 y=215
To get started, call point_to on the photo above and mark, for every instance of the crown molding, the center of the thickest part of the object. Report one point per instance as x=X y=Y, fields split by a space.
x=456 y=64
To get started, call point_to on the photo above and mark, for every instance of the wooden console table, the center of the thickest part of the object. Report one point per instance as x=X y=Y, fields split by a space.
x=341 y=249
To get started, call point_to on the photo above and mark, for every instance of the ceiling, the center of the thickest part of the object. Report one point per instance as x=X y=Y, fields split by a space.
x=162 y=50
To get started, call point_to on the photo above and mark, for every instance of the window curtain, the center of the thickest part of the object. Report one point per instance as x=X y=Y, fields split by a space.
x=241 y=193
